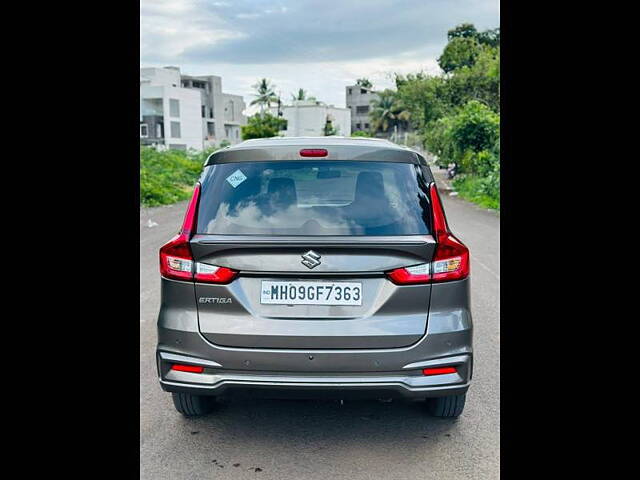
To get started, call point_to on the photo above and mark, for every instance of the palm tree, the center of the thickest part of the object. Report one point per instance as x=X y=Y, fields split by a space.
x=364 y=82
x=387 y=112
x=266 y=94
x=302 y=95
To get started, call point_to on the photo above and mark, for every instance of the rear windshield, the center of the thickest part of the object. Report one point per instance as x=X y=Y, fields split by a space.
x=314 y=198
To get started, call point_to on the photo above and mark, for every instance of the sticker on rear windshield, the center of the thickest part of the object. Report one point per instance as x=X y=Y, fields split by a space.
x=236 y=178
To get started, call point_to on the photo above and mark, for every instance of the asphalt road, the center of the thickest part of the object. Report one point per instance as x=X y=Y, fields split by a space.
x=277 y=439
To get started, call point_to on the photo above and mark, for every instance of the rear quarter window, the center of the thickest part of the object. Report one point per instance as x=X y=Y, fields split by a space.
x=314 y=198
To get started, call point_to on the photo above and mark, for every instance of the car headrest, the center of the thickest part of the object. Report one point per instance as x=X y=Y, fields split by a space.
x=369 y=185
x=282 y=191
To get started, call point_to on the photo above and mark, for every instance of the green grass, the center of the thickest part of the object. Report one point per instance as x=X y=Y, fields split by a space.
x=168 y=177
x=477 y=190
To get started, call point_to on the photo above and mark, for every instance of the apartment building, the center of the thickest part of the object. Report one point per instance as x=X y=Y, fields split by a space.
x=358 y=101
x=308 y=118
x=187 y=112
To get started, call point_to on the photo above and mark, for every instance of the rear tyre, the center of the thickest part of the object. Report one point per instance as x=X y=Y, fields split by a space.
x=192 y=405
x=448 y=407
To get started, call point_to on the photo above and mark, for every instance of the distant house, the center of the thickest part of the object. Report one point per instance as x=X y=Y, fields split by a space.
x=183 y=111
x=309 y=118
x=358 y=101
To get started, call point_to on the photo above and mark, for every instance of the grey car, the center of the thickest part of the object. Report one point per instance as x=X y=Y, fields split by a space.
x=315 y=266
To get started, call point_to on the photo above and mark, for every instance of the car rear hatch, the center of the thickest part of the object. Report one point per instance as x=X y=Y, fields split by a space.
x=295 y=311
x=309 y=244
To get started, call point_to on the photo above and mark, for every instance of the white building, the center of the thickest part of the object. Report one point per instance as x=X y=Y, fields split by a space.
x=359 y=102
x=183 y=112
x=308 y=118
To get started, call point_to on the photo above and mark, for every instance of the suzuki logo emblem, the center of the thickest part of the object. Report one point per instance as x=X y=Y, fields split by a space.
x=311 y=259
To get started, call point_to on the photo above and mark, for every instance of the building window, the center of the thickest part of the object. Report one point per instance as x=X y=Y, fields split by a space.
x=231 y=109
x=358 y=126
x=366 y=125
x=159 y=130
x=144 y=130
x=363 y=91
x=175 y=129
x=349 y=91
x=203 y=109
x=362 y=109
x=174 y=107
x=199 y=84
x=210 y=112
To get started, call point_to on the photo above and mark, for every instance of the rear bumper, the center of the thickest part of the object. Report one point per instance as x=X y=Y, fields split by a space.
x=447 y=341
x=409 y=384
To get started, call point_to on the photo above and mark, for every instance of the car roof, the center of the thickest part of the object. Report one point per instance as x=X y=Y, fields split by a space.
x=339 y=148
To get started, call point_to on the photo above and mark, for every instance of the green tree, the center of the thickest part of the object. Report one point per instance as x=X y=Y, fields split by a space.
x=464 y=136
x=265 y=94
x=464 y=30
x=425 y=97
x=479 y=82
x=438 y=140
x=364 y=82
x=388 y=111
x=490 y=38
x=263 y=125
x=475 y=128
x=459 y=52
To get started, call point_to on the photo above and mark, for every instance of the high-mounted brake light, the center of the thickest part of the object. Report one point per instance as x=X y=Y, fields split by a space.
x=450 y=260
x=313 y=152
x=438 y=371
x=187 y=368
x=176 y=259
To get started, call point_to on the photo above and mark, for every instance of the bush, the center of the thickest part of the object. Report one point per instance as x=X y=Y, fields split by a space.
x=475 y=127
x=263 y=126
x=168 y=177
x=482 y=163
x=467 y=138
x=361 y=133
x=482 y=191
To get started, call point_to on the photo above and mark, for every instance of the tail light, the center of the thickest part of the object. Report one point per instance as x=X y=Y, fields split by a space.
x=176 y=259
x=450 y=260
x=213 y=274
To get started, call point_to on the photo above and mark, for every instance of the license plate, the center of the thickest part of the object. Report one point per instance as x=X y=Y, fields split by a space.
x=311 y=293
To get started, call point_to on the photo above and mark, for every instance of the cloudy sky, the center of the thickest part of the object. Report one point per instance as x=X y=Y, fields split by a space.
x=319 y=45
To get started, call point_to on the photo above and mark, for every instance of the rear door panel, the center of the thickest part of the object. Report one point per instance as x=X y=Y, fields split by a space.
x=390 y=316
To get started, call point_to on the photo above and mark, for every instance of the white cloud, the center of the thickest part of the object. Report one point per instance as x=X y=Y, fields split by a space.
x=319 y=45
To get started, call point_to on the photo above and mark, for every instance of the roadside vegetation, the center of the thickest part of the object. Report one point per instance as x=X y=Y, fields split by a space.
x=457 y=113
x=167 y=177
